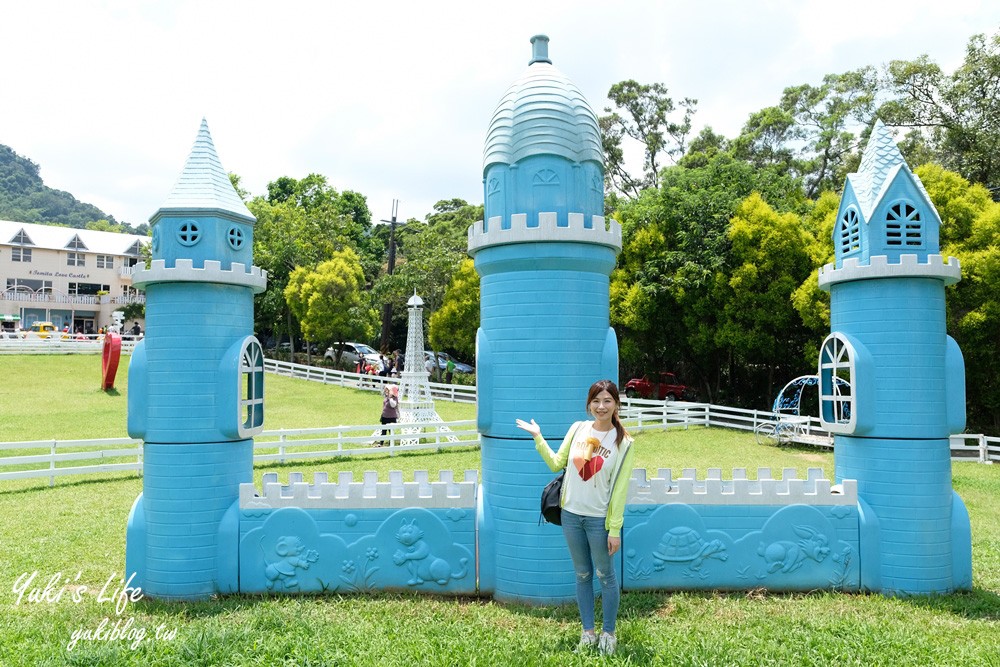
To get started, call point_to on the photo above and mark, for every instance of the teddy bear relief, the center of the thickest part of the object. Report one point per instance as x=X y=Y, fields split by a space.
x=281 y=572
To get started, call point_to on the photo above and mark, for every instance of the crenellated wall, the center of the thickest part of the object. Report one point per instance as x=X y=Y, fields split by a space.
x=350 y=537
x=784 y=533
x=546 y=226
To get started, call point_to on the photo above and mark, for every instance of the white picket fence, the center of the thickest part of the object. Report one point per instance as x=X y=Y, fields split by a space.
x=286 y=445
x=56 y=344
x=280 y=446
x=449 y=392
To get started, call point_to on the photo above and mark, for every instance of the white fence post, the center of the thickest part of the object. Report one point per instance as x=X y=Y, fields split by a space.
x=281 y=447
x=52 y=463
x=984 y=452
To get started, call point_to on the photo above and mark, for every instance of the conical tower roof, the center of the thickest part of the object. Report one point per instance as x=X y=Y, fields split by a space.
x=880 y=162
x=204 y=186
x=542 y=113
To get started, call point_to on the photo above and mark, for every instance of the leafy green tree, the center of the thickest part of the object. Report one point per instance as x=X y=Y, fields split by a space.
x=958 y=114
x=770 y=258
x=451 y=220
x=668 y=290
x=814 y=131
x=957 y=201
x=970 y=229
x=302 y=222
x=329 y=301
x=647 y=116
x=105 y=226
x=812 y=303
x=425 y=267
x=453 y=327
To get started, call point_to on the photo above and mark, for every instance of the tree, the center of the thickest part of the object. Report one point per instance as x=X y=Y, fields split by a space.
x=646 y=117
x=814 y=131
x=770 y=258
x=451 y=221
x=425 y=267
x=667 y=292
x=329 y=301
x=812 y=303
x=300 y=223
x=453 y=327
x=105 y=226
x=959 y=114
x=970 y=227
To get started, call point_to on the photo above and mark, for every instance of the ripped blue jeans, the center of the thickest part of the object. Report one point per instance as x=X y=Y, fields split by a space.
x=587 y=540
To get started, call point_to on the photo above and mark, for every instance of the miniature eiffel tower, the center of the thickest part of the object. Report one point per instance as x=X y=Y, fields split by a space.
x=416 y=404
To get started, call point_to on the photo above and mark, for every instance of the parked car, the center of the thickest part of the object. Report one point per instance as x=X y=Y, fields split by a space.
x=666 y=389
x=442 y=363
x=299 y=347
x=41 y=330
x=352 y=353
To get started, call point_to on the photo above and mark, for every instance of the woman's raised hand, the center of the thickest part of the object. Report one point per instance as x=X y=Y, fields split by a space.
x=531 y=427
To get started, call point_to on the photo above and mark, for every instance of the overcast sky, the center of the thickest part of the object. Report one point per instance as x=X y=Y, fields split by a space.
x=393 y=99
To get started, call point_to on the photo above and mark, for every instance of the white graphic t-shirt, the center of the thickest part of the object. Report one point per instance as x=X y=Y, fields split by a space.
x=592 y=459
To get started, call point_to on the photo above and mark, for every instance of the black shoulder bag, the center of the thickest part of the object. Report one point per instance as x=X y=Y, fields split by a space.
x=552 y=495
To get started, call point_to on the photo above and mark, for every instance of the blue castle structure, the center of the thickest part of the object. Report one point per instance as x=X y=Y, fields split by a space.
x=544 y=254
x=892 y=390
x=903 y=378
x=195 y=384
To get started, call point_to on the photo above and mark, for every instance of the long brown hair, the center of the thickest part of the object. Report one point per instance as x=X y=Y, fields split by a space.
x=611 y=388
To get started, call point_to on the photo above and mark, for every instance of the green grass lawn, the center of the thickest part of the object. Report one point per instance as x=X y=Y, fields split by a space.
x=78 y=526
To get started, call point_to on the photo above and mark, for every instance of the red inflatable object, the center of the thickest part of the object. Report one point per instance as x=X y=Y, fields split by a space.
x=109 y=360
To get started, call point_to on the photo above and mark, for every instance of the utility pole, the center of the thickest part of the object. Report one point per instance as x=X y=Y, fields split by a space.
x=387 y=307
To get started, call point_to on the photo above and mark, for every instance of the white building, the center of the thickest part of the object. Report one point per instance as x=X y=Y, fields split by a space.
x=70 y=277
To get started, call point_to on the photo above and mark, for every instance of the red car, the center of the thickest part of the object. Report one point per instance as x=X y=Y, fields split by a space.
x=667 y=389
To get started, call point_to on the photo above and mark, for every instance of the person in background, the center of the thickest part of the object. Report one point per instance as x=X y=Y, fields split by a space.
x=390 y=409
x=598 y=458
x=449 y=370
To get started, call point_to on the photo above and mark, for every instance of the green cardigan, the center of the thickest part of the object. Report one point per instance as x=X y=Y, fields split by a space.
x=619 y=482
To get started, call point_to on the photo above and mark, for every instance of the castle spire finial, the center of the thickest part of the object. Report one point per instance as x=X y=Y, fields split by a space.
x=540 y=50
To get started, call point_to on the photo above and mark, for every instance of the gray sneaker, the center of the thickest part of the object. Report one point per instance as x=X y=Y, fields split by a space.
x=607 y=644
x=588 y=640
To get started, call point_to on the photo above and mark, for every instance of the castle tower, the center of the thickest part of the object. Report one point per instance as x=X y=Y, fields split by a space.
x=892 y=382
x=544 y=255
x=195 y=394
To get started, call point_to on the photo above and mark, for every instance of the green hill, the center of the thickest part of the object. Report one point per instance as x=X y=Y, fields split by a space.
x=25 y=198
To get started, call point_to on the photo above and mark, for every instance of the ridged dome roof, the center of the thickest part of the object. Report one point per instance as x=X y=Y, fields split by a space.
x=542 y=113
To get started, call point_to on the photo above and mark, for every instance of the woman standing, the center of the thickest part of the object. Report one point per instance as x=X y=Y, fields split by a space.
x=390 y=408
x=597 y=456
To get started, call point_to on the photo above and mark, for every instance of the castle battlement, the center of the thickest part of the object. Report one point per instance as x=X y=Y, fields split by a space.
x=185 y=271
x=765 y=490
x=879 y=266
x=575 y=227
x=369 y=493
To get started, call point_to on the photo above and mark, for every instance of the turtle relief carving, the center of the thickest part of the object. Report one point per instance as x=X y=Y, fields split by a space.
x=684 y=544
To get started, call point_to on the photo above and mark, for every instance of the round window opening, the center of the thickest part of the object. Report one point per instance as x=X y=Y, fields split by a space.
x=235 y=236
x=188 y=234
